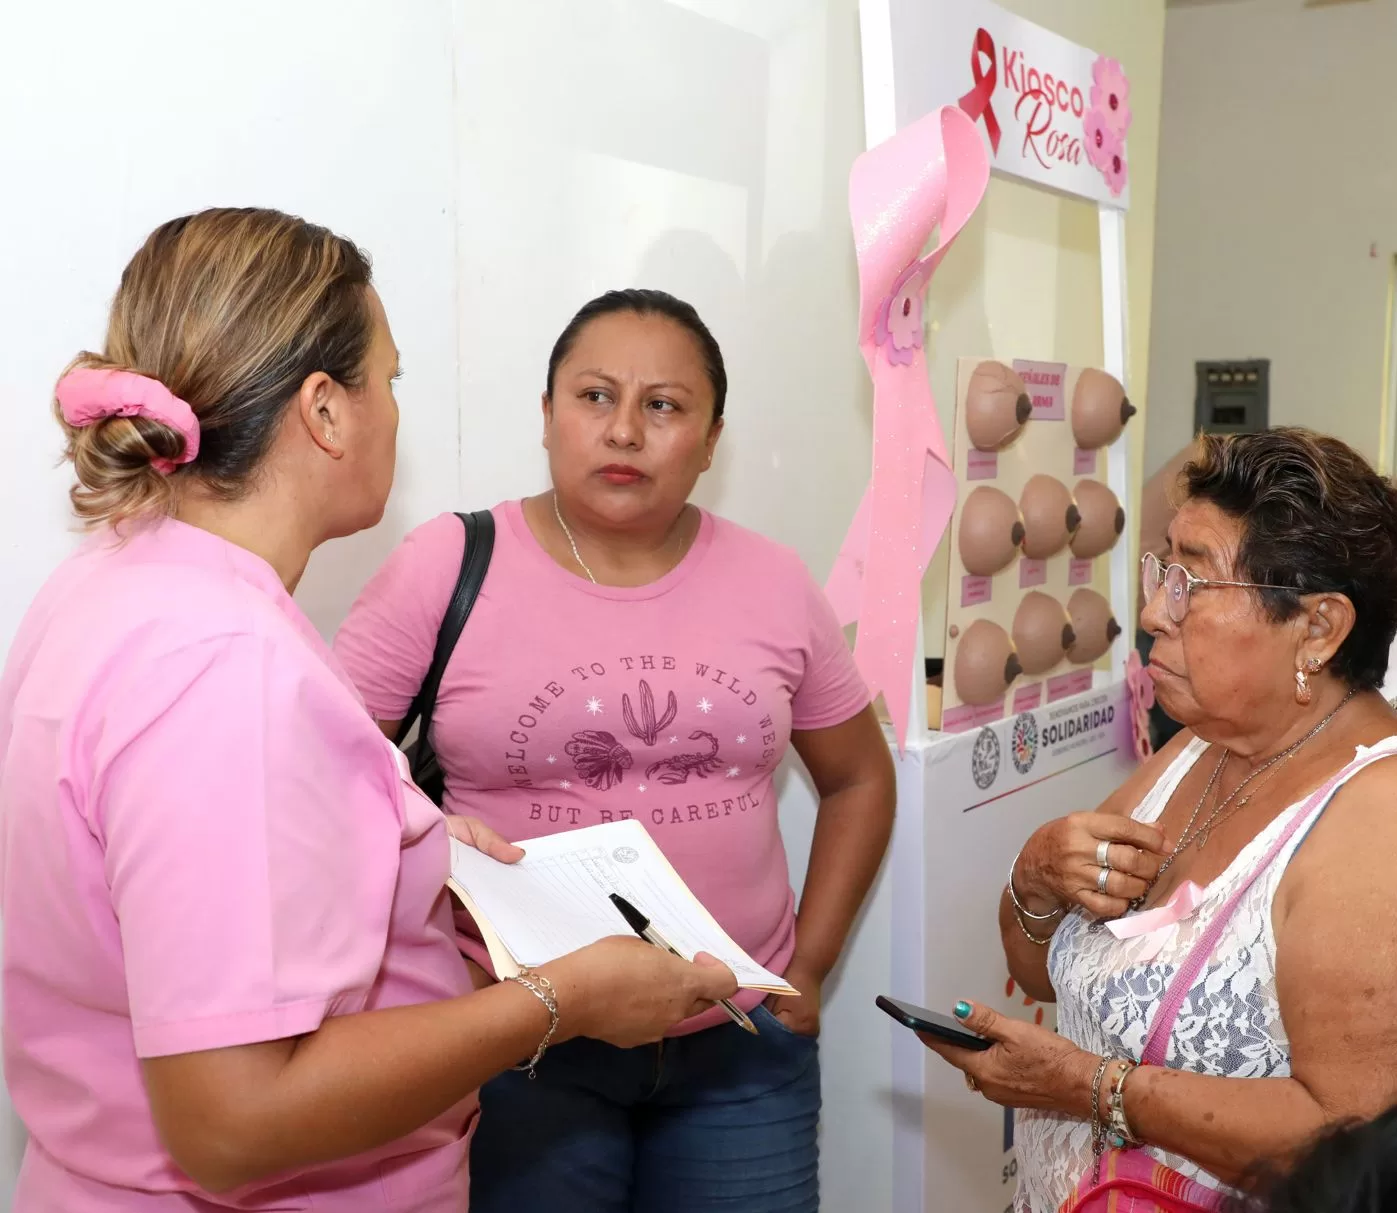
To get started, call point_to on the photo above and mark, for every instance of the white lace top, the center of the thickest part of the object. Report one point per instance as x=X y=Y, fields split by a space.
x=1229 y=1025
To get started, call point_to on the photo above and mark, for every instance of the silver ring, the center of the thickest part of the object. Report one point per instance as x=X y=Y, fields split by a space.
x=1101 y=878
x=1103 y=854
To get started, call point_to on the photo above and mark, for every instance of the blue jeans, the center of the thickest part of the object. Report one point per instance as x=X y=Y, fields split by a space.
x=718 y=1120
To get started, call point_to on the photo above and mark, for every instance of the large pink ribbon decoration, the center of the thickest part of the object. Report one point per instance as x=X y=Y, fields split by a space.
x=932 y=173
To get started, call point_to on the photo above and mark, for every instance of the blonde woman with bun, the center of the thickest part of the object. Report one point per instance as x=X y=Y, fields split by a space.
x=230 y=973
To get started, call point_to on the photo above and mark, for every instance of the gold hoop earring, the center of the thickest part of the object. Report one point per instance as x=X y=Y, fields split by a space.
x=1303 y=694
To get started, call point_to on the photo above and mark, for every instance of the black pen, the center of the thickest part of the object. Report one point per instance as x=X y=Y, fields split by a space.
x=641 y=926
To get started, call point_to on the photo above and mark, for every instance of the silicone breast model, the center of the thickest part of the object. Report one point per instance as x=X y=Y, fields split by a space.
x=985 y=663
x=1099 y=409
x=1050 y=517
x=1042 y=632
x=1103 y=520
x=991 y=530
x=996 y=406
x=1094 y=625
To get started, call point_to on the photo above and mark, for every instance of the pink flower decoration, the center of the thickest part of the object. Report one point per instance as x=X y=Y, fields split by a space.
x=899 y=324
x=1114 y=170
x=1101 y=141
x=1141 y=687
x=1110 y=93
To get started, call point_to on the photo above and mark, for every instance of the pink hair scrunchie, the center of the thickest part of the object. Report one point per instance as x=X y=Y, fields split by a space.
x=88 y=396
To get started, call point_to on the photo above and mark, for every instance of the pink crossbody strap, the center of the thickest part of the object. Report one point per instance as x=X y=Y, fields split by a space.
x=1157 y=1045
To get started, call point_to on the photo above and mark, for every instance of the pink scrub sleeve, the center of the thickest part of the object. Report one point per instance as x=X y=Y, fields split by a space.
x=832 y=690
x=387 y=642
x=251 y=844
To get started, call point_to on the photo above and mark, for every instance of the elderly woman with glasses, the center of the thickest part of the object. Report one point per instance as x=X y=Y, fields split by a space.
x=1218 y=935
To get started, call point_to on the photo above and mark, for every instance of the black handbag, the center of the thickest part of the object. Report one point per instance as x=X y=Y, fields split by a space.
x=422 y=758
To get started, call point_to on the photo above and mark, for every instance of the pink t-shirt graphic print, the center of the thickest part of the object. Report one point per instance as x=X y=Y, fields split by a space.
x=568 y=704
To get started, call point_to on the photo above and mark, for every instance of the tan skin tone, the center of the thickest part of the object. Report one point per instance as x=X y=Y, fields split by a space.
x=1228 y=673
x=633 y=392
x=234 y=1116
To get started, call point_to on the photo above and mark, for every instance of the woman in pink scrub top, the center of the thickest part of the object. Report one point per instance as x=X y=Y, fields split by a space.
x=230 y=978
x=634 y=656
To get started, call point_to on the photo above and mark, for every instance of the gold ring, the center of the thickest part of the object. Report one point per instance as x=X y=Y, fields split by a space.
x=971 y=1084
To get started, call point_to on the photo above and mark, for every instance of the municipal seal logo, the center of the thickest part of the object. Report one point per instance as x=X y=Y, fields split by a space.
x=1023 y=743
x=625 y=854
x=984 y=759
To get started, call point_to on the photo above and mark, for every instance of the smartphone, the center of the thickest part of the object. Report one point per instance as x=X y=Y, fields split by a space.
x=933 y=1023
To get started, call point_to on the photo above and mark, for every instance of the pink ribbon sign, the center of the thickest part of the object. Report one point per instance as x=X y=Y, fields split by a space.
x=929 y=176
x=979 y=101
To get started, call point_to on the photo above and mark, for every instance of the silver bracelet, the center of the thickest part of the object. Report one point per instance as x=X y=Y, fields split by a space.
x=1098 y=1127
x=1019 y=906
x=542 y=989
x=1116 y=1123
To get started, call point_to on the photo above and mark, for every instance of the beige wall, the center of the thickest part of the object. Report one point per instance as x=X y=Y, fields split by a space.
x=1275 y=182
x=1024 y=280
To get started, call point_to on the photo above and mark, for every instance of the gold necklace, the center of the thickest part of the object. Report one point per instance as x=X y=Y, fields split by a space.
x=572 y=543
x=577 y=556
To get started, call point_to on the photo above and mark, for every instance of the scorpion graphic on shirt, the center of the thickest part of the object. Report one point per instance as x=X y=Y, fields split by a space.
x=681 y=766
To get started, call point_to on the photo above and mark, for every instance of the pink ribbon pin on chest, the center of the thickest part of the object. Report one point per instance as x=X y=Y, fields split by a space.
x=1156 y=927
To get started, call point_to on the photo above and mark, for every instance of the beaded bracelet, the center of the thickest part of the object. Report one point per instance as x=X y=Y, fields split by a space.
x=1040 y=940
x=542 y=989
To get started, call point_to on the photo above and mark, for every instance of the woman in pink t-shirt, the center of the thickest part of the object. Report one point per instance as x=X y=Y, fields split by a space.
x=632 y=656
x=230 y=979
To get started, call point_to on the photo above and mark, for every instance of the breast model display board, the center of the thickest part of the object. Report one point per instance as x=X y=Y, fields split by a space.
x=1028 y=600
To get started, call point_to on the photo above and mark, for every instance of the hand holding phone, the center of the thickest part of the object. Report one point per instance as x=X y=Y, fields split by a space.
x=933 y=1023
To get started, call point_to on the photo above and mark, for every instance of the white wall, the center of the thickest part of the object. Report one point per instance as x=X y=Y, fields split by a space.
x=702 y=147
x=1276 y=178
x=503 y=163
x=341 y=112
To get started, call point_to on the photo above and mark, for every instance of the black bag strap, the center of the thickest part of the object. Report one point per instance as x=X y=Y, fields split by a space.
x=475 y=562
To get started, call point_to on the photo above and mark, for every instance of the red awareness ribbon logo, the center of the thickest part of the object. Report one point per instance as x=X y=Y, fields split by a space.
x=978 y=101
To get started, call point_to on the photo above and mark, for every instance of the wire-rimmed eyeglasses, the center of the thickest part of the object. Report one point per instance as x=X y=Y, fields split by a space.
x=1179 y=584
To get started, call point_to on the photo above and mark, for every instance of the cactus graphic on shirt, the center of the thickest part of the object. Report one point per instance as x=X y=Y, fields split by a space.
x=647 y=728
x=600 y=759
x=681 y=766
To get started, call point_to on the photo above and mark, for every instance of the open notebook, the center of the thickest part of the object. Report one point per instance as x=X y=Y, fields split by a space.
x=555 y=900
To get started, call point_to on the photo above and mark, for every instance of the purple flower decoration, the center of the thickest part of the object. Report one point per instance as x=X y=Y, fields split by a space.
x=899 y=323
x=1110 y=94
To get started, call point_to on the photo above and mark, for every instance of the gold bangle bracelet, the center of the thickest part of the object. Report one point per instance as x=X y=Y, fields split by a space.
x=542 y=989
x=1042 y=941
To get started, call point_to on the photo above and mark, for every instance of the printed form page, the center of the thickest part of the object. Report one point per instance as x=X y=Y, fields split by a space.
x=556 y=899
